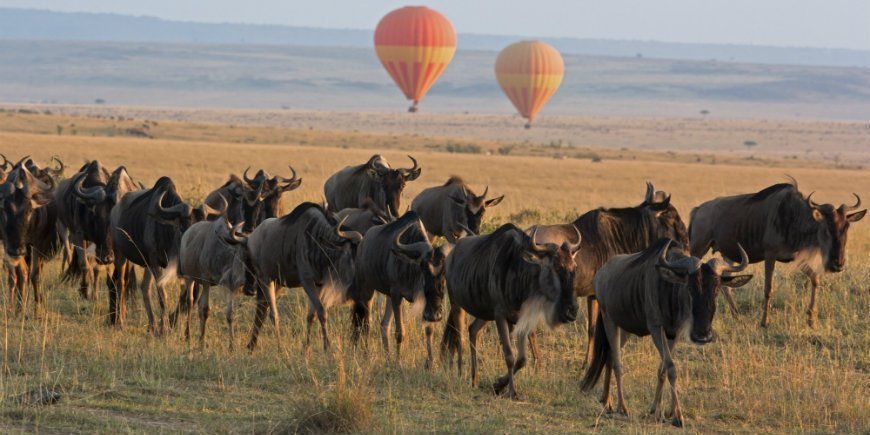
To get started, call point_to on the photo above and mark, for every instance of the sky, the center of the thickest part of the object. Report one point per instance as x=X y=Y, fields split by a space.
x=793 y=23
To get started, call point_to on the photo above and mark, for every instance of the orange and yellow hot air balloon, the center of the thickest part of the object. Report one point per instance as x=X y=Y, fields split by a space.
x=415 y=44
x=529 y=72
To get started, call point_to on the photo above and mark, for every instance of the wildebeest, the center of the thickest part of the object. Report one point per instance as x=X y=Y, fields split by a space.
x=28 y=221
x=506 y=276
x=271 y=191
x=397 y=260
x=375 y=180
x=214 y=253
x=453 y=208
x=363 y=218
x=661 y=293
x=242 y=201
x=606 y=232
x=777 y=224
x=84 y=203
x=307 y=248
x=146 y=228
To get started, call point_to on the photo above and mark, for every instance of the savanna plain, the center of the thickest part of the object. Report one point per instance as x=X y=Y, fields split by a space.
x=786 y=378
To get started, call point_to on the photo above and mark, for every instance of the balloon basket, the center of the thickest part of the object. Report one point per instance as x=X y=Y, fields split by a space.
x=412 y=109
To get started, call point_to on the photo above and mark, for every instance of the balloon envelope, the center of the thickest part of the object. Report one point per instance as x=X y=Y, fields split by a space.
x=529 y=72
x=415 y=44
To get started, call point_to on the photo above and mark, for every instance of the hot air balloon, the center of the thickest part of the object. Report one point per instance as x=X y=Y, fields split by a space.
x=529 y=72
x=415 y=44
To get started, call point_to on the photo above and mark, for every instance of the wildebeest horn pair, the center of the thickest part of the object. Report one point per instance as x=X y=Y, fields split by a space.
x=724 y=265
x=91 y=195
x=846 y=208
x=416 y=250
x=551 y=248
x=412 y=173
x=173 y=212
x=235 y=235
x=686 y=265
x=209 y=211
x=57 y=171
x=6 y=163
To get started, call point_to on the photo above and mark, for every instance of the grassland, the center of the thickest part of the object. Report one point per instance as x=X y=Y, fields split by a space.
x=787 y=378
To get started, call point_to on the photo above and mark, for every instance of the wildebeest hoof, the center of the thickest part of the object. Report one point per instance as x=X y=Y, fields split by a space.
x=427 y=364
x=499 y=385
x=678 y=422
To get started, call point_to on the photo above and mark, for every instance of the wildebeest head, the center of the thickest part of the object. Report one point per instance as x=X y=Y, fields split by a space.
x=467 y=208
x=3 y=168
x=556 y=277
x=833 y=230
x=670 y=224
x=391 y=181
x=240 y=275
x=430 y=262
x=263 y=200
x=703 y=281
x=20 y=197
x=346 y=241
x=169 y=208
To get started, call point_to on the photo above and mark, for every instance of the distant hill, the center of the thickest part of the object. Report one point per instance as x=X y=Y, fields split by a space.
x=32 y=24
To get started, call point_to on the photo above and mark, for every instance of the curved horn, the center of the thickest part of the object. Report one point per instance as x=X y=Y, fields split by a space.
x=421 y=248
x=810 y=202
x=93 y=195
x=848 y=208
x=663 y=258
x=650 y=191
x=287 y=180
x=485 y=191
x=234 y=236
x=536 y=248
x=21 y=162
x=723 y=265
x=30 y=178
x=574 y=247
x=353 y=236
x=414 y=168
x=208 y=210
x=245 y=176
x=172 y=212
x=60 y=167
x=6 y=163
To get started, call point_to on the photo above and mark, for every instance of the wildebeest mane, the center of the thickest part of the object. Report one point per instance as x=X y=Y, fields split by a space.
x=454 y=179
x=653 y=251
x=769 y=191
x=609 y=232
x=300 y=210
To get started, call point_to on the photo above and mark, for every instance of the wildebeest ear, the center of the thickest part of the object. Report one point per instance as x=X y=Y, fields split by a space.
x=39 y=201
x=736 y=280
x=372 y=173
x=404 y=256
x=855 y=217
x=817 y=215
x=494 y=202
x=671 y=275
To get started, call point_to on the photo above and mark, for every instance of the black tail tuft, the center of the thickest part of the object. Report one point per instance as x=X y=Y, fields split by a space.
x=452 y=338
x=359 y=315
x=600 y=356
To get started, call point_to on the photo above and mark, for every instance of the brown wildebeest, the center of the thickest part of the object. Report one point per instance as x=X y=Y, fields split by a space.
x=307 y=248
x=375 y=180
x=28 y=221
x=452 y=209
x=507 y=277
x=365 y=217
x=397 y=260
x=661 y=293
x=606 y=232
x=776 y=224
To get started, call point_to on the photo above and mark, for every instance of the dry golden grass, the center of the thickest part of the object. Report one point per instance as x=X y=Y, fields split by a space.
x=788 y=378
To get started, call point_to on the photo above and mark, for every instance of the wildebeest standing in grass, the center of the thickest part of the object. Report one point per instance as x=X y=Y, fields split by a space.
x=242 y=201
x=307 y=248
x=777 y=224
x=507 y=277
x=375 y=180
x=397 y=260
x=606 y=232
x=214 y=253
x=272 y=189
x=146 y=228
x=452 y=209
x=661 y=293
x=84 y=203
x=362 y=218
x=28 y=221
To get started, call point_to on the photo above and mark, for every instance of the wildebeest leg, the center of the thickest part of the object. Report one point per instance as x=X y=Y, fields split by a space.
x=664 y=348
x=396 y=302
x=533 y=346
x=385 y=327
x=768 y=288
x=473 y=331
x=259 y=317
x=615 y=340
x=811 y=309
x=591 y=319
x=186 y=294
x=309 y=321
x=273 y=307
x=655 y=407
x=36 y=282
x=146 y=299
x=313 y=293
x=520 y=362
x=605 y=398
x=230 y=301
x=203 y=311
x=163 y=300
x=430 y=330
x=115 y=285
x=504 y=336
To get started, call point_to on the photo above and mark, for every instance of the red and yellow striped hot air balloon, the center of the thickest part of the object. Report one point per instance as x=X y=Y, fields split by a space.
x=529 y=72
x=415 y=44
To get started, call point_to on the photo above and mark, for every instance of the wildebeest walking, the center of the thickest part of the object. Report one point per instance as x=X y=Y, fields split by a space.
x=241 y=200
x=28 y=221
x=507 y=277
x=271 y=190
x=661 y=293
x=397 y=260
x=452 y=209
x=606 y=232
x=146 y=228
x=375 y=180
x=777 y=224
x=306 y=248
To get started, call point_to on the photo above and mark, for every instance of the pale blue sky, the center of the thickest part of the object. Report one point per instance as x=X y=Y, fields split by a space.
x=808 y=23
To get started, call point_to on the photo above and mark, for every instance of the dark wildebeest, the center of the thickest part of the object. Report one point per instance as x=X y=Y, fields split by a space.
x=398 y=261
x=661 y=293
x=776 y=224
x=307 y=248
x=28 y=221
x=361 y=219
x=452 y=209
x=375 y=180
x=4 y=167
x=146 y=228
x=606 y=232
x=507 y=277
x=214 y=253
x=84 y=203
x=242 y=200
x=271 y=190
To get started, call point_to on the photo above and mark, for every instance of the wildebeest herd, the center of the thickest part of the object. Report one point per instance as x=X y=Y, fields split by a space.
x=639 y=268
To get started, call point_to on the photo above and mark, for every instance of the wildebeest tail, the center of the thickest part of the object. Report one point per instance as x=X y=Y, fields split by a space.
x=600 y=356
x=452 y=338
x=72 y=271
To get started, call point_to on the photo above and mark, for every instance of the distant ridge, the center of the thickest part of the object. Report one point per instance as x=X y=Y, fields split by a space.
x=34 y=24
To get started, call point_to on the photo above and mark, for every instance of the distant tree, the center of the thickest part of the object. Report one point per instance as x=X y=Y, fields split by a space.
x=100 y=101
x=749 y=144
x=59 y=130
x=705 y=112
